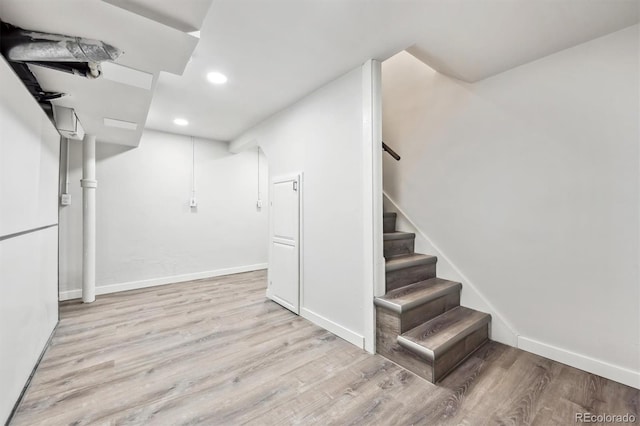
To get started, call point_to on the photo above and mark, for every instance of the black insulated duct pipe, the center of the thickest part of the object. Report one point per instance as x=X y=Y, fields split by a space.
x=75 y=55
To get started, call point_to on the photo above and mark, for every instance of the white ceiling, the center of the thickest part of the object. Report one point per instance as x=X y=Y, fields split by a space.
x=474 y=40
x=183 y=16
x=276 y=51
x=148 y=46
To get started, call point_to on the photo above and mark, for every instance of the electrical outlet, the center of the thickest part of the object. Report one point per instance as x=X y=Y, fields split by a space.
x=65 y=199
x=193 y=203
x=259 y=204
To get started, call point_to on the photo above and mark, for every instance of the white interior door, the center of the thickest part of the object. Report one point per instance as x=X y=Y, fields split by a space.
x=284 y=262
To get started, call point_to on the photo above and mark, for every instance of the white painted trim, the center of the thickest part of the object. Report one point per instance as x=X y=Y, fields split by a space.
x=134 y=285
x=337 y=329
x=379 y=279
x=583 y=362
x=286 y=178
x=379 y=273
x=509 y=334
x=300 y=239
x=371 y=196
x=280 y=301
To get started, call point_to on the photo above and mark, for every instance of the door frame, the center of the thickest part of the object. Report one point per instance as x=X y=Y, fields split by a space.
x=297 y=177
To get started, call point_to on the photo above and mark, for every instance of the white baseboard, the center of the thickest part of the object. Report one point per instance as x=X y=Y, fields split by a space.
x=337 y=329
x=134 y=285
x=591 y=365
x=281 y=302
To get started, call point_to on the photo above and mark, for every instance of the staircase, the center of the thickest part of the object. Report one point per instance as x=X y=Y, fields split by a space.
x=420 y=324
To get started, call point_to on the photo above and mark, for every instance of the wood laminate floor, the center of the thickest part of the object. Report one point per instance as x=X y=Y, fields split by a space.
x=216 y=352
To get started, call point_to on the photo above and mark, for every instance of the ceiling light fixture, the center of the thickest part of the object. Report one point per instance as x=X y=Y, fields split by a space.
x=216 y=77
x=180 y=122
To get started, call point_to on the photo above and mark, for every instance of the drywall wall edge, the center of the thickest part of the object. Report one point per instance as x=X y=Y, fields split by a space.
x=373 y=253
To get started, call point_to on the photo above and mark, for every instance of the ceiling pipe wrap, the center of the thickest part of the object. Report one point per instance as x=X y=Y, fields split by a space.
x=74 y=55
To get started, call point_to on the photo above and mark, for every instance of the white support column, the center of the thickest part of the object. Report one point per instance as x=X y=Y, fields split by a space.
x=89 y=185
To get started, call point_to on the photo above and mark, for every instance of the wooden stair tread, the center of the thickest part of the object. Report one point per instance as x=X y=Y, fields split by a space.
x=397 y=235
x=408 y=297
x=408 y=260
x=434 y=337
x=419 y=321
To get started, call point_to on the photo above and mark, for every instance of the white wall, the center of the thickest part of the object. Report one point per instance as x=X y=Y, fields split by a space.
x=529 y=183
x=29 y=147
x=321 y=136
x=146 y=232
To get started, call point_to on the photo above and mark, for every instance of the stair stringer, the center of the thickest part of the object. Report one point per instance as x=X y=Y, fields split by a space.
x=501 y=329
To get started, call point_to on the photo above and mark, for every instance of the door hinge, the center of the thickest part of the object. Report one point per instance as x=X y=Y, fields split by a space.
x=295 y=185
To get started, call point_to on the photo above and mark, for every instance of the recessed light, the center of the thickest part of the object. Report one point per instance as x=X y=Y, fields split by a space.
x=180 y=122
x=216 y=77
